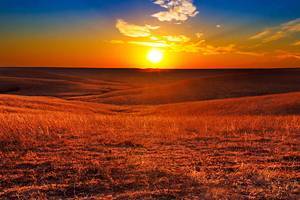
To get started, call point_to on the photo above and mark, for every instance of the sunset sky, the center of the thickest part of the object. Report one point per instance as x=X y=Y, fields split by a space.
x=119 y=33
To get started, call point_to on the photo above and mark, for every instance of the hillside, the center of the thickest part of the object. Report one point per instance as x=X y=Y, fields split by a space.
x=144 y=134
x=144 y=87
x=278 y=104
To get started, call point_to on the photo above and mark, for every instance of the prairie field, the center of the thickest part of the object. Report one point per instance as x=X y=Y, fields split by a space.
x=149 y=134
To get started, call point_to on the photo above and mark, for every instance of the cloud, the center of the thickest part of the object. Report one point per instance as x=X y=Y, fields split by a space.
x=170 y=46
x=288 y=55
x=215 y=50
x=199 y=46
x=132 y=30
x=179 y=38
x=297 y=43
x=192 y=47
x=278 y=32
x=180 y=11
x=199 y=35
x=260 y=35
x=176 y=10
x=182 y=43
x=176 y=43
x=159 y=44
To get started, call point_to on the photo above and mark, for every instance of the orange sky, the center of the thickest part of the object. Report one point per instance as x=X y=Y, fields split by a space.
x=195 y=38
x=83 y=52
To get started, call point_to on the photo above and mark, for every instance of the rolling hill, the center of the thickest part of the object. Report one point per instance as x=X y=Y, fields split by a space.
x=144 y=87
x=149 y=134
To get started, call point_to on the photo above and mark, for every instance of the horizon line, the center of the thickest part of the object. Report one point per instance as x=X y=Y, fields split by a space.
x=149 y=68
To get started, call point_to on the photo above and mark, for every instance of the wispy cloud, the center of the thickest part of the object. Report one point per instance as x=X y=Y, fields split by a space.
x=199 y=35
x=297 y=43
x=179 y=10
x=158 y=44
x=178 y=43
x=177 y=38
x=132 y=30
x=176 y=10
x=278 y=32
x=288 y=55
x=145 y=36
x=191 y=46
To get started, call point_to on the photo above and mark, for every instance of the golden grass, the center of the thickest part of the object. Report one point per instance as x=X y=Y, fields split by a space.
x=240 y=148
x=67 y=155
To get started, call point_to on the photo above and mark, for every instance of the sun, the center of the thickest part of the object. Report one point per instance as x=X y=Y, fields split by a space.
x=155 y=56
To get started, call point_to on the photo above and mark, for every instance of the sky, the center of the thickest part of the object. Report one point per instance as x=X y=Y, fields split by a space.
x=119 y=33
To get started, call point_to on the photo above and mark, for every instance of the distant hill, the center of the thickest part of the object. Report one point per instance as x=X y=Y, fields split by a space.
x=31 y=104
x=278 y=104
x=146 y=87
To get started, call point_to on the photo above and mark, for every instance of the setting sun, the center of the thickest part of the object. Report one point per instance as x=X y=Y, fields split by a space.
x=155 y=56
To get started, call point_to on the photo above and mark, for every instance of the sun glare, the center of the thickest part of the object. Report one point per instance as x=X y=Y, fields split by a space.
x=155 y=56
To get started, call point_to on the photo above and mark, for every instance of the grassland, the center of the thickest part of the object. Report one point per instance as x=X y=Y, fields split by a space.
x=73 y=146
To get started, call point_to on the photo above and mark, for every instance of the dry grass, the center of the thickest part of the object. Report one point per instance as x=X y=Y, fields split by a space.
x=65 y=155
x=59 y=148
